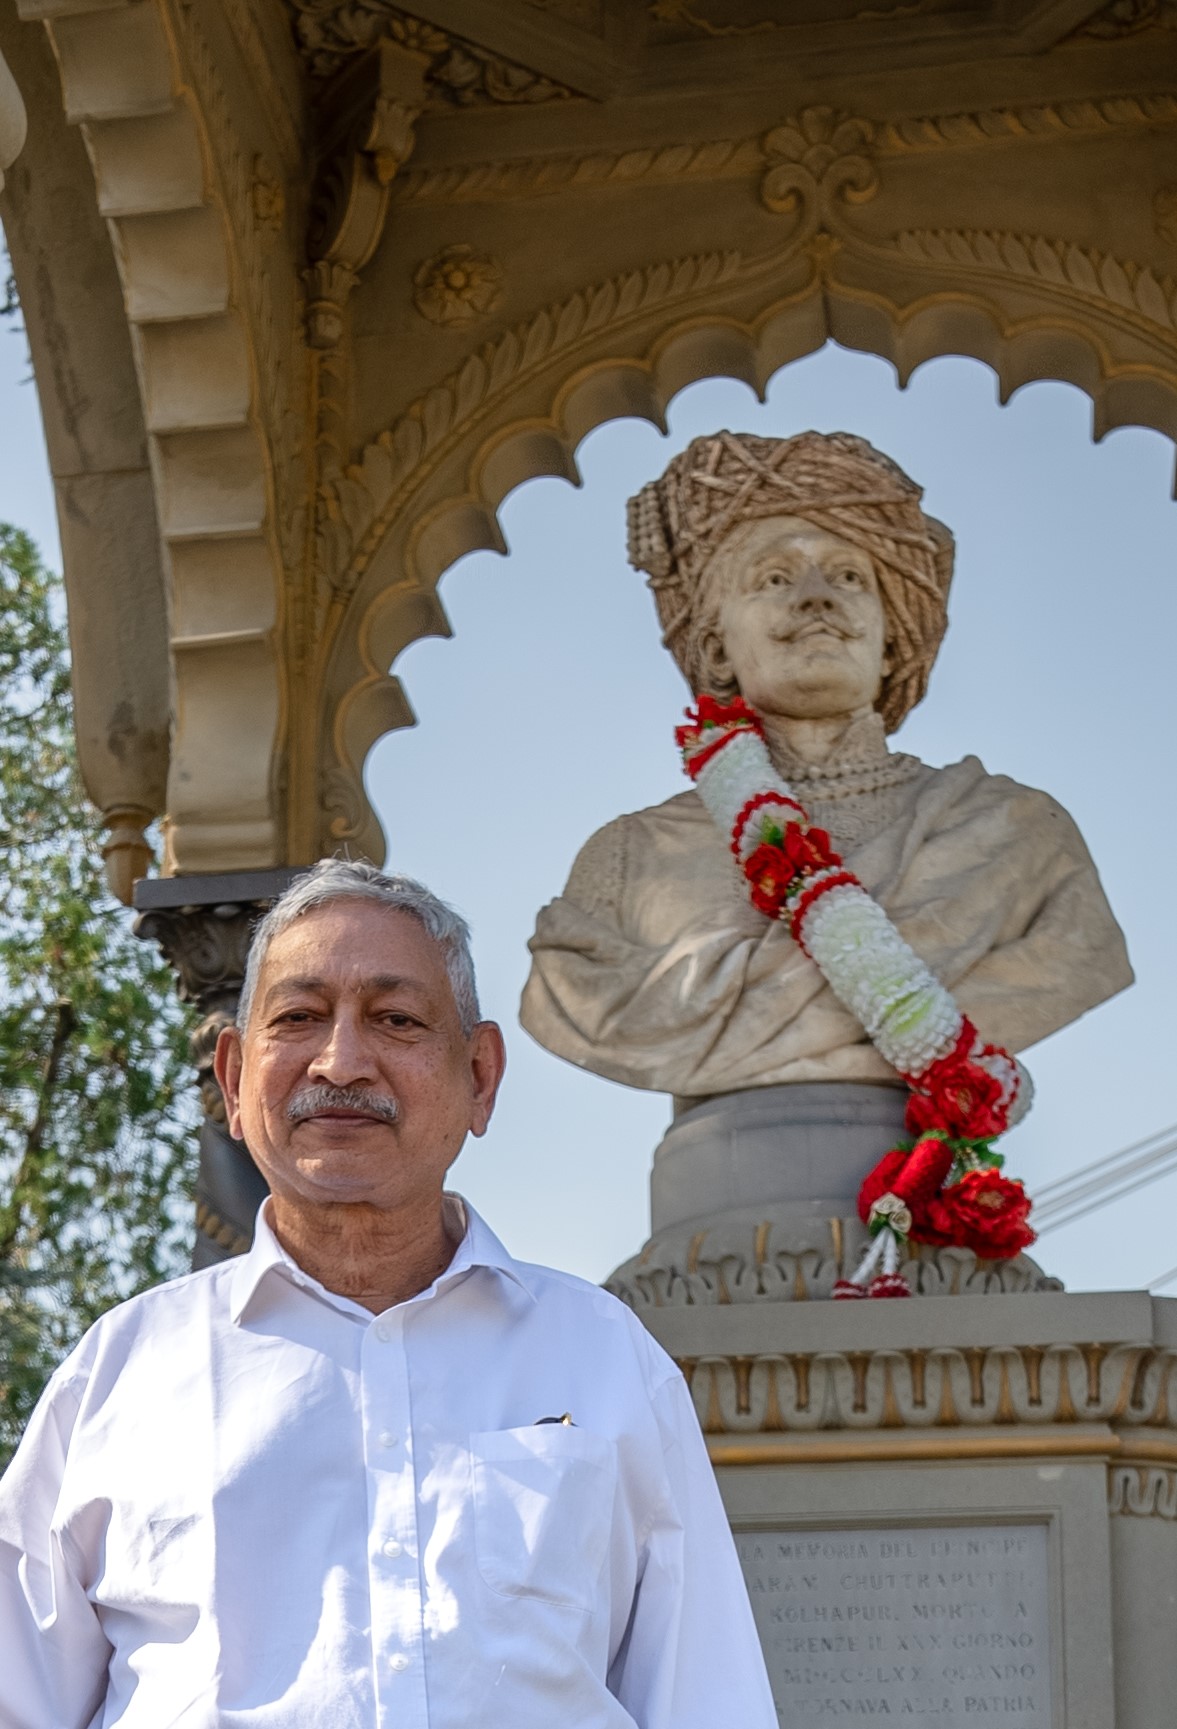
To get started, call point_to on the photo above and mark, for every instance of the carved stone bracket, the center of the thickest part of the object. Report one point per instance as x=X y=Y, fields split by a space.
x=204 y=927
x=367 y=116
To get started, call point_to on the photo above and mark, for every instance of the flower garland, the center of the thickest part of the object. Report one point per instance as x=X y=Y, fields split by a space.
x=944 y=1184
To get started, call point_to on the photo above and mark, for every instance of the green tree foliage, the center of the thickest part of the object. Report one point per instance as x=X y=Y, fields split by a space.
x=97 y=1110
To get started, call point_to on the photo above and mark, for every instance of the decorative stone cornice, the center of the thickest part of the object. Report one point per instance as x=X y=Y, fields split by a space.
x=458 y=72
x=939 y=1387
x=741 y=158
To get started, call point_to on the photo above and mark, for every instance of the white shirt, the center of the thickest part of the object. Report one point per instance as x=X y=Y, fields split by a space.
x=245 y=1500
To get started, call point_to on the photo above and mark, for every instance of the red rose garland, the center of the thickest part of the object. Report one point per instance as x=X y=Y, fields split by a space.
x=944 y=1185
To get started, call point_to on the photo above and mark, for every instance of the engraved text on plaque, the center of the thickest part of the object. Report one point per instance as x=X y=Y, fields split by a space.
x=944 y=1624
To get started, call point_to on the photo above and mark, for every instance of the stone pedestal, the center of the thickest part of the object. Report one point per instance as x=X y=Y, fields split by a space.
x=952 y=1509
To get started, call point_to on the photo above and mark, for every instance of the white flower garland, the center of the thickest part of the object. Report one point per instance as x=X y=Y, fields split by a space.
x=964 y=1092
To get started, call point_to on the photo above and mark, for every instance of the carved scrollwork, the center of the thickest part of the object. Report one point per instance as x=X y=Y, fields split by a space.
x=344 y=807
x=367 y=132
x=1143 y=1491
x=817 y=160
x=267 y=197
x=206 y=946
x=459 y=72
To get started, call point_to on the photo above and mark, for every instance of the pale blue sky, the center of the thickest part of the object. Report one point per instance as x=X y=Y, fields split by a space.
x=1057 y=669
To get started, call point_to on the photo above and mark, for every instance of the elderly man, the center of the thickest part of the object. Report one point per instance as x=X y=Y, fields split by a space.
x=376 y=1471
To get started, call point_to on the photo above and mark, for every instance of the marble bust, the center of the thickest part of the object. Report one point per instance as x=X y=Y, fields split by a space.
x=804 y=574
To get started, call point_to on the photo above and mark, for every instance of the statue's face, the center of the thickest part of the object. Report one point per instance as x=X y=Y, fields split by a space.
x=801 y=626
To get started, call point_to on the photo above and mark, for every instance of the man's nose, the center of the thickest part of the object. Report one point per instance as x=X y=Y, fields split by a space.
x=345 y=1056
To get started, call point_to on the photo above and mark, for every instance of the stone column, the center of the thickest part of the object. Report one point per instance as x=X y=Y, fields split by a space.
x=204 y=926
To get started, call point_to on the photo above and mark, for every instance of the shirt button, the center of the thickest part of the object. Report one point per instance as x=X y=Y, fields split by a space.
x=399 y=1663
x=392 y=1549
x=387 y=1438
x=383 y=1331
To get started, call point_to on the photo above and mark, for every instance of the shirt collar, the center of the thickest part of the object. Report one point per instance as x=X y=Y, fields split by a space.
x=478 y=1247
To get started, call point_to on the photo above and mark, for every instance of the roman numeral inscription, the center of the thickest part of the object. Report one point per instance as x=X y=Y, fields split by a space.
x=943 y=1625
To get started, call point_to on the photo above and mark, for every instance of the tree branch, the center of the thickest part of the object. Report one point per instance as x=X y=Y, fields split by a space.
x=12 y=1216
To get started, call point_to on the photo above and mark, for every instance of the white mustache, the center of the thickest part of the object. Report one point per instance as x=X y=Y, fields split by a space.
x=310 y=1101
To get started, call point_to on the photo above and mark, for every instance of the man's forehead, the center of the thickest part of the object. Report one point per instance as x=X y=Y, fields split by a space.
x=355 y=940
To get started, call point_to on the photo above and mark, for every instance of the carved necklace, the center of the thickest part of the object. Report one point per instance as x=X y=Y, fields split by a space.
x=944 y=1185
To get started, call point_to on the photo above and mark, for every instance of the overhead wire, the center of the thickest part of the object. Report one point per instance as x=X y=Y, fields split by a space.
x=1106 y=1180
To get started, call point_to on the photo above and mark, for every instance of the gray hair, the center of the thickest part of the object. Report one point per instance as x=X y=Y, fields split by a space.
x=335 y=879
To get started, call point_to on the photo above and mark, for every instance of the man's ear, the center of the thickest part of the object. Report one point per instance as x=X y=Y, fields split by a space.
x=488 y=1059
x=227 y=1060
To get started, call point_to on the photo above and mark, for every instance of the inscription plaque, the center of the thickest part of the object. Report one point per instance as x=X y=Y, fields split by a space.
x=934 y=1624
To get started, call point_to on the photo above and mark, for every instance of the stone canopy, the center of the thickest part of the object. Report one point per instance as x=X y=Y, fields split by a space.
x=310 y=286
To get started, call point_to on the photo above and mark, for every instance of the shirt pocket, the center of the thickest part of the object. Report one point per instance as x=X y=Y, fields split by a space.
x=543 y=1511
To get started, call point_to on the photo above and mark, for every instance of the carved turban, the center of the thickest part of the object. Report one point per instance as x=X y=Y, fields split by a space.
x=835 y=481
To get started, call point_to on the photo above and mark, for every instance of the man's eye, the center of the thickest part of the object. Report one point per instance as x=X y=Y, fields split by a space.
x=776 y=579
x=395 y=1018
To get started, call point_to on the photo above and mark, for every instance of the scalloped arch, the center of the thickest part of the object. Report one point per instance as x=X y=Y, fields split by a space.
x=1024 y=327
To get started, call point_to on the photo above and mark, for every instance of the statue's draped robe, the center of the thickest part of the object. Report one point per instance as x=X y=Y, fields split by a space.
x=653 y=967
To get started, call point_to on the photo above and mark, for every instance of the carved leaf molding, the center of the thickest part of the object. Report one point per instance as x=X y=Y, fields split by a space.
x=359 y=505
x=1073 y=270
x=738 y=158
